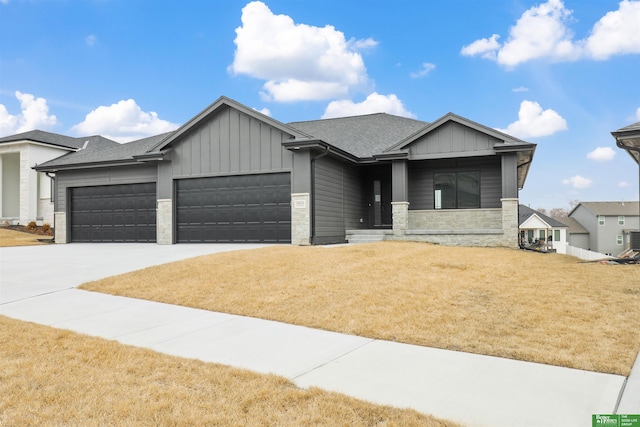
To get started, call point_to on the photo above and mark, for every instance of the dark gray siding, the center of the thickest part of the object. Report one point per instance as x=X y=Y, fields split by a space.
x=100 y=176
x=421 y=194
x=338 y=200
x=451 y=138
x=230 y=143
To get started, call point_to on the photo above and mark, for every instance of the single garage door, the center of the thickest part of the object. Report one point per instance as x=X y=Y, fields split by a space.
x=234 y=209
x=114 y=213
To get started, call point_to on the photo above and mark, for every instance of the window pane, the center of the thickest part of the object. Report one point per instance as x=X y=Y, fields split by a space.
x=601 y=220
x=620 y=220
x=619 y=240
x=469 y=189
x=556 y=235
x=445 y=190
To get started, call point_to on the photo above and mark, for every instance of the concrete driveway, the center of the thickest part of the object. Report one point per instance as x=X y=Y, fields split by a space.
x=27 y=271
x=38 y=283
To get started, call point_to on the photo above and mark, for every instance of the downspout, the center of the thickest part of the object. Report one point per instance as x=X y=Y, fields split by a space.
x=53 y=192
x=312 y=202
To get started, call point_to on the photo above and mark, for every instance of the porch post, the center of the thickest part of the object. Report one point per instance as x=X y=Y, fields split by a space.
x=400 y=197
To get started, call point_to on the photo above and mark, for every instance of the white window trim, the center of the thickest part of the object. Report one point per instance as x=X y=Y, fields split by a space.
x=601 y=220
x=621 y=220
x=619 y=240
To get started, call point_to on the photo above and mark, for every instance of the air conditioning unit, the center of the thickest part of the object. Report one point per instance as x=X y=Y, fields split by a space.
x=635 y=240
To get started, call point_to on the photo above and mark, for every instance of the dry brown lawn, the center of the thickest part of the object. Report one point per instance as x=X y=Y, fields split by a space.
x=18 y=238
x=51 y=377
x=545 y=308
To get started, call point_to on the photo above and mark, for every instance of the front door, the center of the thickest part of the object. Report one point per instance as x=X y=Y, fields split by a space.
x=380 y=204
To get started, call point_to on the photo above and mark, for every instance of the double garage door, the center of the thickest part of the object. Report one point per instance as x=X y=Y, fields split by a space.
x=234 y=209
x=231 y=209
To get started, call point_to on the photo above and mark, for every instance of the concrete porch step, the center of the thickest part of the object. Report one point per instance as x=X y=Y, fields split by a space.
x=367 y=236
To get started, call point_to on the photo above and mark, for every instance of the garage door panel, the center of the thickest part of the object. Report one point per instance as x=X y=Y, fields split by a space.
x=245 y=208
x=114 y=213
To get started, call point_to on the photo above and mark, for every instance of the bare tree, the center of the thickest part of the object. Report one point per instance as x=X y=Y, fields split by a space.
x=559 y=213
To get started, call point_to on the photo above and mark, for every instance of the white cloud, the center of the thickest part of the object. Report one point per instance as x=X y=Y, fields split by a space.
x=487 y=48
x=616 y=33
x=602 y=154
x=298 y=61
x=520 y=89
x=122 y=122
x=542 y=32
x=34 y=114
x=623 y=184
x=578 y=182
x=638 y=113
x=375 y=103
x=533 y=122
x=426 y=69
x=91 y=40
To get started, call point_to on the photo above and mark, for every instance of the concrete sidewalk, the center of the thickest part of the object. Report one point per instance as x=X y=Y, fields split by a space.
x=474 y=390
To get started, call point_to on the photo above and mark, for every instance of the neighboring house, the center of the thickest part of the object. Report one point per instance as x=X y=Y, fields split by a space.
x=608 y=223
x=578 y=235
x=25 y=195
x=232 y=174
x=535 y=226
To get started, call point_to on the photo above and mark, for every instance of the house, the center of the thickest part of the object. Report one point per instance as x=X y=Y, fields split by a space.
x=535 y=226
x=608 y=223
x=25 y=195
x=578 y=236
x=232 y=174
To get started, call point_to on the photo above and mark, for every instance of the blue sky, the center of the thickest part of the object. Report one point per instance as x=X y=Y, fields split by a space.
x=561 y=74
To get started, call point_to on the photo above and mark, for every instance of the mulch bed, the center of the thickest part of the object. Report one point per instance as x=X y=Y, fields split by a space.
x=31 y=230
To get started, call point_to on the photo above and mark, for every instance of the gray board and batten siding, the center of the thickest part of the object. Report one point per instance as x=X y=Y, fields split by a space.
x=452 y=140
x=230 y=143
x=231 y=181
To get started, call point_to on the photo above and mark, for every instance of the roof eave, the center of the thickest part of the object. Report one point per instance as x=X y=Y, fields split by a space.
x=88 y=165
x=296 y=145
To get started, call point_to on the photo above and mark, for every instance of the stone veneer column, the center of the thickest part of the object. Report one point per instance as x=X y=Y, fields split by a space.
x=60 y=227
x=510 y=222
x=400 y=215
x=300 y=219
x=164 y=222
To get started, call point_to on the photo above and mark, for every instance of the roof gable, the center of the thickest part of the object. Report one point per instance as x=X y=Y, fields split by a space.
x=442 y=131
x=530 y=218
x=213 y=109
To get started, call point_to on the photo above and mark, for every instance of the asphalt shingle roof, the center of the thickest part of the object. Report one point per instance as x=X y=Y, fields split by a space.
x=47 y=138
x=525 y=212
x=363 y=136
x=97 y=151
x=612 y=208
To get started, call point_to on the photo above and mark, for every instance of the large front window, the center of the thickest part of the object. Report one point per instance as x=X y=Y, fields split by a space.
x=457 y=190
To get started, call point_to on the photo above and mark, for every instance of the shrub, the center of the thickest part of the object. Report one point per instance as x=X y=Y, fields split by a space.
x=32 y=225
x=46 y=228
